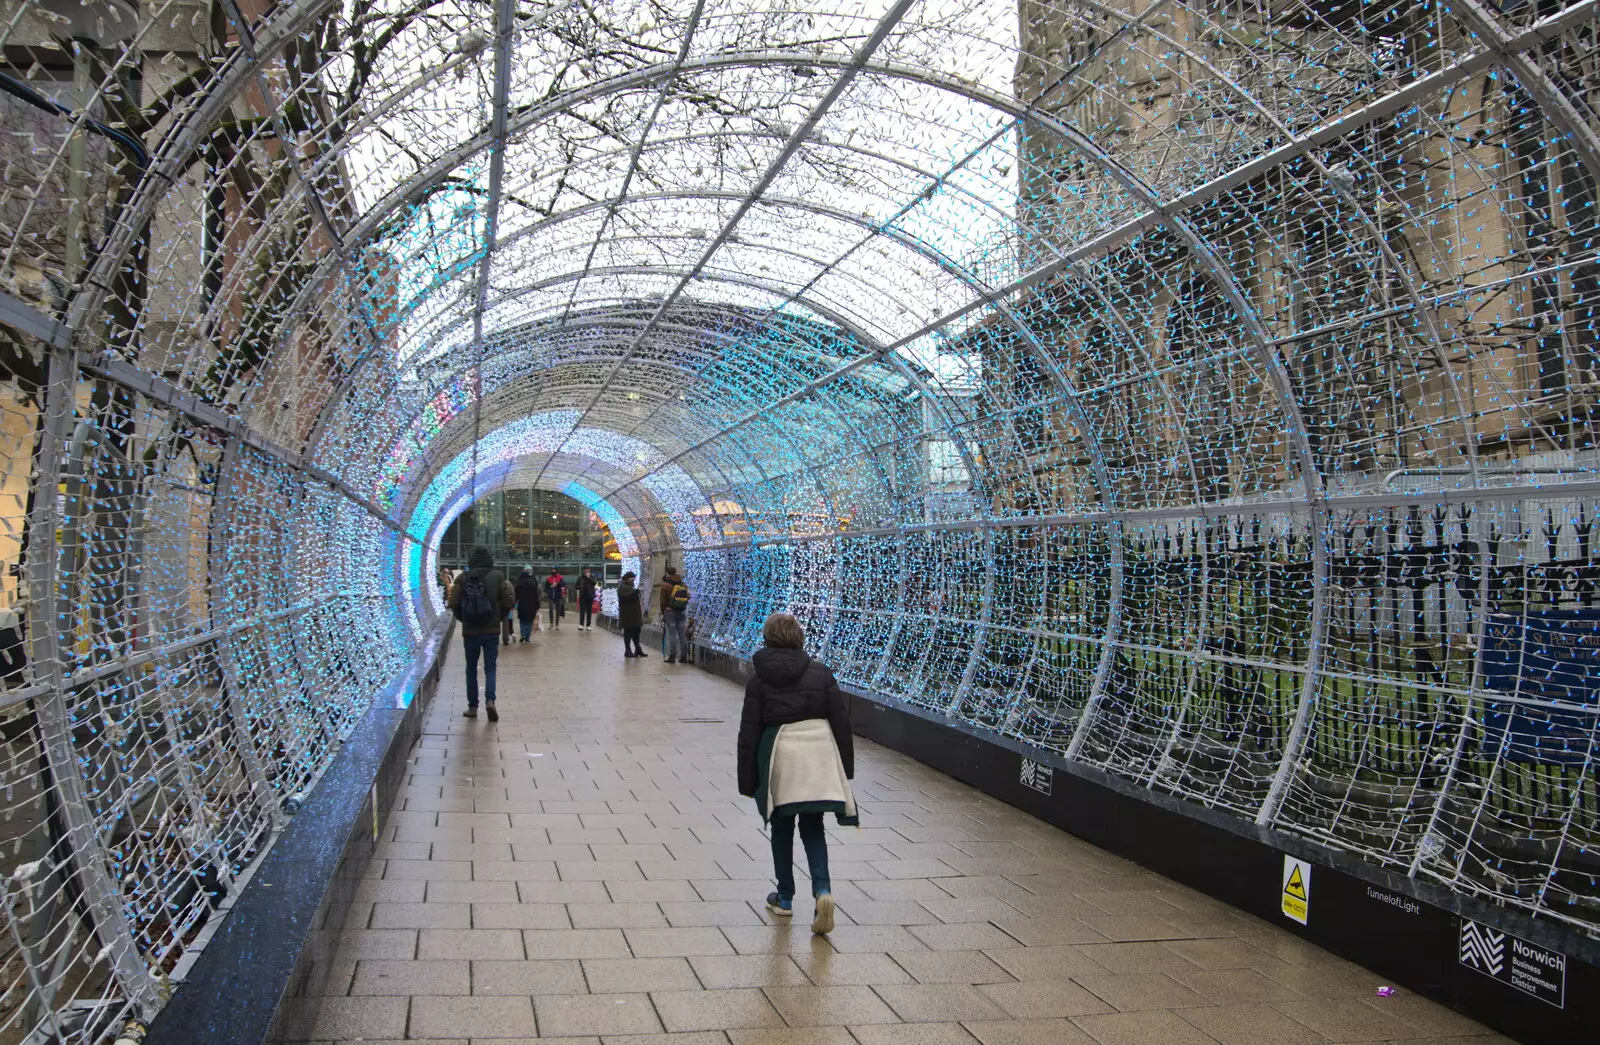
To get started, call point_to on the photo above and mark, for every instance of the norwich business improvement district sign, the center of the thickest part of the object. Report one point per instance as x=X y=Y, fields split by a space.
x=1529 y=968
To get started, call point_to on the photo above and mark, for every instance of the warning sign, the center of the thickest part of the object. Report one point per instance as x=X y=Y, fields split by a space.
x=1296 y=889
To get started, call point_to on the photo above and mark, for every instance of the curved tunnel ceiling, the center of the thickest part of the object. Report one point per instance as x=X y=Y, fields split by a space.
x=1190 y=388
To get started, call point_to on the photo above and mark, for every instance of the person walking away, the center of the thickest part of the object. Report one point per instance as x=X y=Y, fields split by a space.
x=555 y=589
x=796 y=759
x=674 y=610
x=586 y=588
x=479 y=598
x=527 y=589
x=630 y=615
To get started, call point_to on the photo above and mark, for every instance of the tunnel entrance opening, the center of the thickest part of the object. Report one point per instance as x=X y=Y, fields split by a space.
x=539 y=530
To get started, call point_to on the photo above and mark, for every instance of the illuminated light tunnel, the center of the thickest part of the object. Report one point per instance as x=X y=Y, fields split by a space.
x=1201 y=393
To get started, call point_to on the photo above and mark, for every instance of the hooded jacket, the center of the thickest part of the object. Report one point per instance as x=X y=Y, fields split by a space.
x=499 y=589
x=527 y=595
x=671 y=579
x=630 y=614
x=788 y=686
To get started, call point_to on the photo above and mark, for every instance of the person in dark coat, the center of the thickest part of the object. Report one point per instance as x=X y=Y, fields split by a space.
x=527 y=602
x=792 y=709
x=630 y=615
x=586 y=586
x=480 y=636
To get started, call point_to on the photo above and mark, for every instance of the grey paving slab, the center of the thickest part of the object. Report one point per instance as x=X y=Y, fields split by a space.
x=585 y=871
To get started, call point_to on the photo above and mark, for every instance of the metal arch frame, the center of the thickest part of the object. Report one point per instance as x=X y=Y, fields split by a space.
x=449 y=445
x=1295 y=146
x=583 y=209
x=909 y=375
x=801 y=134
x=281 y=25
x=417 y=472
x=285 y=22
x=894 y=235
x=430 y=465
x=1512 y=51
x=439 y=380
x=1159 y=211
x=108 y=918
x=1308 y=479
x=516 y=474
x=505 y=22
x=638 y=148
x=753 y=284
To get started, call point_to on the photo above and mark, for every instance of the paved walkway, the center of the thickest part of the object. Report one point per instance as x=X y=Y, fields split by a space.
x=586 y=870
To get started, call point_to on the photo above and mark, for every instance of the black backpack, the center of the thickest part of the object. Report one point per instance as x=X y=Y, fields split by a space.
x=476 y=608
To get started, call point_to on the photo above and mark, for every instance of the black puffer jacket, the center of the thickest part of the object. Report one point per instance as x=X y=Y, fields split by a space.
x=788 y=686
x=527 y=596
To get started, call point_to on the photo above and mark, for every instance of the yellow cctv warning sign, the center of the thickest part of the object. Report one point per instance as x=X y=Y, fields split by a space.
x=1296 y=889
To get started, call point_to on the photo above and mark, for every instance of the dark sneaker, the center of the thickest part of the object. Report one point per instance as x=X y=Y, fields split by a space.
x=822 y=924
x=779 y=906
x=494 y=716
x=470 y=713
x=672 y=660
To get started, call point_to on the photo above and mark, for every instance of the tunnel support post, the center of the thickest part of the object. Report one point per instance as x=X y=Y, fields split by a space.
x=253 y=766
x=107 y=915
x=1294 y=742
x=1115 y=538
x=980 y=634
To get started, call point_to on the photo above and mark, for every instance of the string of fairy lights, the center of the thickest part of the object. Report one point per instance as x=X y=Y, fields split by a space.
x=1199 y=391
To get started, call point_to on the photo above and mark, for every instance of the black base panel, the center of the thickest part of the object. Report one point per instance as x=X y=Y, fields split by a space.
x=1371 y=918
x=260 y=979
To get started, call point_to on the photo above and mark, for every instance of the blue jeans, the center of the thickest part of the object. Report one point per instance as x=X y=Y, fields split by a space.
x=489 y=646
x=527 y=625
x=672 y=623
x=816 y=843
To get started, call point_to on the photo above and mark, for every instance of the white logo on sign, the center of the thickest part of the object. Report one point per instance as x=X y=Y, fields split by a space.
x=1036 y=776
x=1483 y=948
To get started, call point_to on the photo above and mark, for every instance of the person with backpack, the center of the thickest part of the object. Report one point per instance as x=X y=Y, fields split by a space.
x=630 y=615
x=527 y=602
x=796 y=759
x=586 y=600
x=674 y=611
x=555 y=589
x=480 y=598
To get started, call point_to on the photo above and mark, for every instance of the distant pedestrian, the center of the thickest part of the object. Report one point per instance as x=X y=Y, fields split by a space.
x=527 y=602
x=586 y=597
x=555 y=590
x=674 y=611
x=630 y=615
x=480 y=598
x=796 y=759
x=444 y=578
